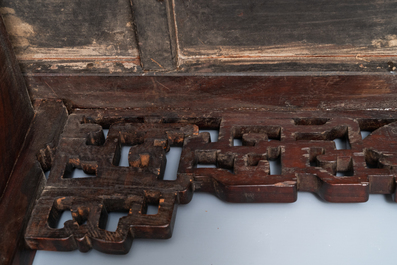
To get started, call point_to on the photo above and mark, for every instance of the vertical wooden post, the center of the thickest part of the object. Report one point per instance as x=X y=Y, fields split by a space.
x=155 y=34
x=16 y=112
x=23 y=132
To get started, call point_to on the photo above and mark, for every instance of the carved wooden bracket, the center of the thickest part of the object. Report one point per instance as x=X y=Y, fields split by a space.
x=302 y=142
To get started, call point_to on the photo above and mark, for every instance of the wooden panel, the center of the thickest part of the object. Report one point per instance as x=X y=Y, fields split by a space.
x=154 y=34
x=306 y=32
x=16 y=112
x=372 y=92
x=202 y=36
x=56 y=36
x=27 y=181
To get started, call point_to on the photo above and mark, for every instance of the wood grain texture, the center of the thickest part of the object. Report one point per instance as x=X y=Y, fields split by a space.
x=27 y=180
x=202 y=36
x=153 y=31
x=16 y=112
x=54 y=36
x=230 y=23
x=292 y=93
x=234 y=32
x=301 y=141
x=109 y=188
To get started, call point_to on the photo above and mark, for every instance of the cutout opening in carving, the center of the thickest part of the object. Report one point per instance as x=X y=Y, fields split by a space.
x=151 y=208
x=81 y=220
x=313 y=163
x=348 y=173
x=206 y=166
x=214 y=134
x=124 y=151
x=105 y=133
x=171 y=169
x=72 y=172
x=342 y=143
x=57 y=218
x=275 y=166
x=112 y=220
x=237 y=142
x=310 y=121
x=372 y=159
x=365 y=134
x=314 y=152
x=47 y=174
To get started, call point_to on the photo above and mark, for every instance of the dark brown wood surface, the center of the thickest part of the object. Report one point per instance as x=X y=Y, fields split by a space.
x=154 y=31
x=54 y=36
x=301 y=140
x=265 y=33
x=291 y=93
x=27 y=180
x=302 y=114
x=16 y=112
x=345 y=24
x=202 y=36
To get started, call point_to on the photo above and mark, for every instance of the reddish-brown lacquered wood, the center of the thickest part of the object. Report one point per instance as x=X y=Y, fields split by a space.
x=111 y=188
x=27 y=180
x=16 y=112
x=292 y=93
x=302 y=141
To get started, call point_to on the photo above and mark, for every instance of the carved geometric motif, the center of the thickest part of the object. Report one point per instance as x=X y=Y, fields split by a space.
x=303 y=146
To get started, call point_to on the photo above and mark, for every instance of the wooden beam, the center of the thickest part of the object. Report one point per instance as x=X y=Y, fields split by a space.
x=270 y=93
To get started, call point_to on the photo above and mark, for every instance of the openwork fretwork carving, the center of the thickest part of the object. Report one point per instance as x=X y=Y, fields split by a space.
x=304 y=146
